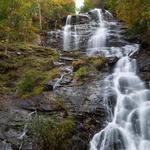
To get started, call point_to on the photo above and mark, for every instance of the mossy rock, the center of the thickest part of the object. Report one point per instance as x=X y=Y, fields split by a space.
x=32 y=82
x=29 y=82
x=98 y=62
x=94 y=62
x=78 y=63
x=81 y=73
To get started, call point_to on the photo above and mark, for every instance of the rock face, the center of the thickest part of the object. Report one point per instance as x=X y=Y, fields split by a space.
x=12 y=125
x=85 y=102
x=80 y=19
x=143 y=63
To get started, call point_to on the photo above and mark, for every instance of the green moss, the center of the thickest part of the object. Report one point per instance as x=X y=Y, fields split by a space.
x=60 y=104
x=53 y=73
x=29 y=82
x=93 y=62
x=21 y=60
x=97 y=62
x=78 y=63
x=15 y=46
x=52 y=132
x=81 y=73
x=38 y=90
x=32 y=82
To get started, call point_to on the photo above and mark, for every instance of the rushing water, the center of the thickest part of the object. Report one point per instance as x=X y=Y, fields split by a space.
x=67 y=34
x=130 y=125
x=70 y=36
x=99 y=37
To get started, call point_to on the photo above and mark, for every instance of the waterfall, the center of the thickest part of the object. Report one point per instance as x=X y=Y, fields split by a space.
x=99 y=37
x=129 y=128
x=67 y=34
x=130 y=125
x=70 y=35
x=76 y=41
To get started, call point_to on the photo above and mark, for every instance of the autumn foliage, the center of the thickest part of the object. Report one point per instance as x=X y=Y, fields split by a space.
x=22 y=19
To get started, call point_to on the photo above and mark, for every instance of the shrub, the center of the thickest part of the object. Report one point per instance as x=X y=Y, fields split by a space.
x=51 y=133
x=90 y=4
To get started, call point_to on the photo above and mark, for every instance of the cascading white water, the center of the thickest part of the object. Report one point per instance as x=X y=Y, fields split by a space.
x=130 y=126
x=99 y=38
x=76 y=41
x=70 y=36
x=67 y=34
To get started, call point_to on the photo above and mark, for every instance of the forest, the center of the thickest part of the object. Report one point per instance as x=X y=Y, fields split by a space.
x=74 y=74
x=23 y=19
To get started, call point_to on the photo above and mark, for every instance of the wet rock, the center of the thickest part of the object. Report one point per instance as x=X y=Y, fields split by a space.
x=11 y=127
x=67 y=58
x=82 y=98
x=49 y=86
x=80 y=19
x=143 y=63
x=46 y=102
x=66 y=79
x=77 y=64
x=112 y=61
x=5 y=146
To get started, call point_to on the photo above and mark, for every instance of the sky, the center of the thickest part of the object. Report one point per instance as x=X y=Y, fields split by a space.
x=79 y=3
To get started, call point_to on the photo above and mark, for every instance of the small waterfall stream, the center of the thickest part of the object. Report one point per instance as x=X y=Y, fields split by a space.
x=70 y=36
x=67 y=34
x=99 y=38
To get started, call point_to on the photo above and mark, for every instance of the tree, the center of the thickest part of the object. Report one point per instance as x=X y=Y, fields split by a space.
x=18 y=17
x=90 y=4
x=40 y=15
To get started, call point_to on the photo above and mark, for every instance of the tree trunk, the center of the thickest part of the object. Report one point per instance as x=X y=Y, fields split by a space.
x=40 y=14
